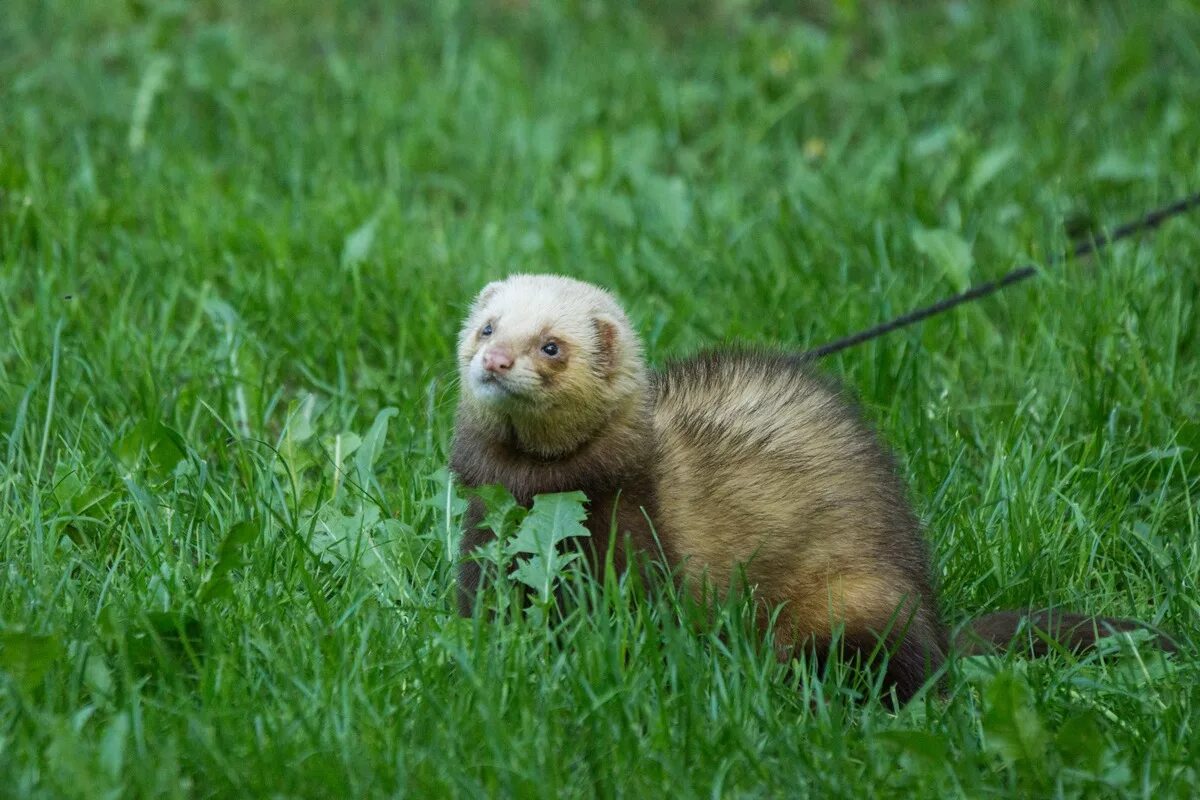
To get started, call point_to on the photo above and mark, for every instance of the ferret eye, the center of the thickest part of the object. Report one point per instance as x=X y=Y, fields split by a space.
x=487 y=330
x=550 y=349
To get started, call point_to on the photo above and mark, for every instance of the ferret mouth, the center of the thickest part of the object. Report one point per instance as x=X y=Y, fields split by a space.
x=492 y=380
x=493 y=388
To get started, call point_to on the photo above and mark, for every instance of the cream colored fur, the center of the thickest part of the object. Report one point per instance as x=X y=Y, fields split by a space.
x=551 y=413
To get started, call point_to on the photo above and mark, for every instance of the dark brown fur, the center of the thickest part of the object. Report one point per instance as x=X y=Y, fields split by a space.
x=1039 y=633
x=614 y=465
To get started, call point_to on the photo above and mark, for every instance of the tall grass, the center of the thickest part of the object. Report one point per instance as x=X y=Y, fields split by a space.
x=233 y=235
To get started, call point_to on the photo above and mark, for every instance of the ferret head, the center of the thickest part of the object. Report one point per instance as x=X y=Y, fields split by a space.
x=553 y=357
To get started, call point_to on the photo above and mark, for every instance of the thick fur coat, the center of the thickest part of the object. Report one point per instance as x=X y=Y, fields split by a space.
x=731 y=465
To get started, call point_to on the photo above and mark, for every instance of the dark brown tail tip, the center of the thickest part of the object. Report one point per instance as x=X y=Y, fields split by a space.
x=1038 y=633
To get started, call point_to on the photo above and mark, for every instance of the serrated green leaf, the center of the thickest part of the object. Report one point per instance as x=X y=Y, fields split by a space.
x=503 y=511
x=360 y=540
x=445 y=499
x=339 y=537
x=553 y=519
x=540 y=574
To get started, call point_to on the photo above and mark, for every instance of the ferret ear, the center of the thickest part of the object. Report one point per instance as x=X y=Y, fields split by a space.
x=483 y=299
x=486 y=294
x=608 y=345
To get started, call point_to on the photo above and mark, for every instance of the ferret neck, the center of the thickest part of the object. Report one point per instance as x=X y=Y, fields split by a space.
x=566 y=437
x=551 y=437
x=488 y=449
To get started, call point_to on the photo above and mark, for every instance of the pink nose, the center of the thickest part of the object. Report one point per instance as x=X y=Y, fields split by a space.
x=497 y=360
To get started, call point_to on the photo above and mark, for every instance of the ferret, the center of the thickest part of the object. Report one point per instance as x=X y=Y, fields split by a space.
x=735 y=467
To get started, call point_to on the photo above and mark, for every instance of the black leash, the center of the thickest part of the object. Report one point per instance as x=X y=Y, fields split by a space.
x=1086 y=247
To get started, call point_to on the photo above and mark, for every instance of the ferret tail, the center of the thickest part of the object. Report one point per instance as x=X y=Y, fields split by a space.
x=1038 y=633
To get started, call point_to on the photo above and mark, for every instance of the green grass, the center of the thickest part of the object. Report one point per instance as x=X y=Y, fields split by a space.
x=232 y=233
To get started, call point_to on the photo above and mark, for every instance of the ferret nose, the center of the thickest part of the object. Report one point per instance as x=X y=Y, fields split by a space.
x=497 y=360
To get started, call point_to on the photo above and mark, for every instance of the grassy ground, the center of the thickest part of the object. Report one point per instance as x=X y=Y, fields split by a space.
x=232 y=235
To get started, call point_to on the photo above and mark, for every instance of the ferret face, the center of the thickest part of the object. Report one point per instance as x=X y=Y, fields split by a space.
x=536 y=343
x=510 y=356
